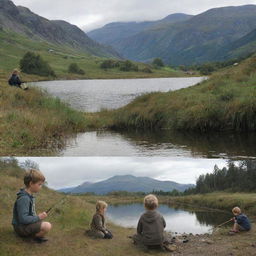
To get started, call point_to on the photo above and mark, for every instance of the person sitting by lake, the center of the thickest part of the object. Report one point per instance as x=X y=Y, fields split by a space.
x=98 y=224
x=242 y=222
x=151 y=225
x=14 y=79
x=26 y=222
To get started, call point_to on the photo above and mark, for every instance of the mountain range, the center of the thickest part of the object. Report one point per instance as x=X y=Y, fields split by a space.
x=180 y=39
x=22 y=21
x=128 y=183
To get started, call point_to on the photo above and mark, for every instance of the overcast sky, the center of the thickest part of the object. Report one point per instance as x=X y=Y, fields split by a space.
x=91 y=14
x=73 y=171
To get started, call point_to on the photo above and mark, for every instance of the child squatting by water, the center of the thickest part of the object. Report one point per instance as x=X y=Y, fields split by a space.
x=241 y=221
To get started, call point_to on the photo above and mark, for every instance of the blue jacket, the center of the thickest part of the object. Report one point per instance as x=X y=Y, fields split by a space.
x=14 y=80
x=243 y=221
x=24 y=209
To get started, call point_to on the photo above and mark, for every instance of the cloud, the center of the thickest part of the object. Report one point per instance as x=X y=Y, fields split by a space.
x=90 y=14
x=72 y=171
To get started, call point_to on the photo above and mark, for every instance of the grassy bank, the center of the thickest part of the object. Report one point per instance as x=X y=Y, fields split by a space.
x=219 y=200
x=72 y=218
x=227 y=101
x=31 y=122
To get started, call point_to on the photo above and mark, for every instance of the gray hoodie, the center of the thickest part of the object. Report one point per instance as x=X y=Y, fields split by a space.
x=24 y=209
x=151 y=227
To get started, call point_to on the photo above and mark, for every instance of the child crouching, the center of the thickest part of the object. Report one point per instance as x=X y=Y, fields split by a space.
x=242 y=222
x=26 y=222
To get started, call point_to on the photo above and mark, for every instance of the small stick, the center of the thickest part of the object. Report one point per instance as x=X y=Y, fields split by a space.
x=224 y=223
x=53 y=206
x=220 y=225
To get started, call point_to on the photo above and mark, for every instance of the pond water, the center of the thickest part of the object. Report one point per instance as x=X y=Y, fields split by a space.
x=177 y=220
x=94 y=95
x=162 y=143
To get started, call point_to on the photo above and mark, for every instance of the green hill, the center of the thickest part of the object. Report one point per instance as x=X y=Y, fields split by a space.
x=22 y=21
x=113 y=33
x=60 y=44
x=201 y=38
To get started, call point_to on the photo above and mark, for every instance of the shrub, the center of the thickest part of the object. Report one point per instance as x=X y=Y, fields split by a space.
x=158 y=62
x=147 y=70
x=74 y=68
x=109 y=64
x=128 y=66
x=34 y=64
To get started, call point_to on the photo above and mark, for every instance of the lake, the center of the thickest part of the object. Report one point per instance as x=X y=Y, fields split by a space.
x=177 y=220
x=94 y=95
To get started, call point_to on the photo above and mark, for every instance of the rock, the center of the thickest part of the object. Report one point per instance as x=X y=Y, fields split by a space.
x=207 y=241
x=171 y=248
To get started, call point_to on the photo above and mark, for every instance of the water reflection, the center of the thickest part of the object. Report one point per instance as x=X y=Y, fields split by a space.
x=162 y=143
x=177 y=220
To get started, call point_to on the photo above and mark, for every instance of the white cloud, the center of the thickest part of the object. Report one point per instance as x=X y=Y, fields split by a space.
x=72 y=171
x=90 y=14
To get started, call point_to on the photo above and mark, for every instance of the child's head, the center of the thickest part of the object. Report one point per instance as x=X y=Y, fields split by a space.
x=34 y=180
x=16 y=71
x=101 y=207
x=236 y=211
x=150 y=202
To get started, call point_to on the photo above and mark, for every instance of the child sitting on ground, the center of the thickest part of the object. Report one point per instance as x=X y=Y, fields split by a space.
x=150 y=228
x=26 y=222
x=242 y=222
x=98 y=224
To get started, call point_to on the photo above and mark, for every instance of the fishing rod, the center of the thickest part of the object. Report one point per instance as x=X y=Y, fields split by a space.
x=222 y=224
x=53 y=206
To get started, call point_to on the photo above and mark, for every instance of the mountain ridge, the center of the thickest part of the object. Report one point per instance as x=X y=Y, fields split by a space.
x=128 y=183
x=196 y=40
x=23 y=21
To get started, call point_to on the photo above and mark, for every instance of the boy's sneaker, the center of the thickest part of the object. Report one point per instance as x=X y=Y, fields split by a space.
x=232 y=232
x=40 y=240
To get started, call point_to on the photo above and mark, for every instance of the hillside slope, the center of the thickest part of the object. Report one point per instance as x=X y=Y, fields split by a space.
x=197 y=40
x=113 y=33
x=22 y=21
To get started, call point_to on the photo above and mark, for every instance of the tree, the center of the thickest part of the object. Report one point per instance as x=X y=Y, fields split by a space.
x=74 y=68
x=158 y=62
x=32 y=63
x=106 y=64
x=29 y=164
x=128 y=66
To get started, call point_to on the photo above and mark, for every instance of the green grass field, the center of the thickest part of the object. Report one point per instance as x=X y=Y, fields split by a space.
x=14 y=46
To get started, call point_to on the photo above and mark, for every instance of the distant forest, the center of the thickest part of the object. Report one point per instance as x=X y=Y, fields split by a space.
x=236 y=177
x=233 y=178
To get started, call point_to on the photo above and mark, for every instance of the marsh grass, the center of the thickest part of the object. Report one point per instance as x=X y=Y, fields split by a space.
x=32 y=119
x=226 y=101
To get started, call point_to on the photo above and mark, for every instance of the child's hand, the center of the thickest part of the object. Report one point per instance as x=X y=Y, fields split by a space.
x=232 y=219
x=42 y=215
